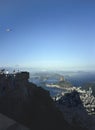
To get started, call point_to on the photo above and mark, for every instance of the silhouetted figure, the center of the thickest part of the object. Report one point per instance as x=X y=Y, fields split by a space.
x=2 y=71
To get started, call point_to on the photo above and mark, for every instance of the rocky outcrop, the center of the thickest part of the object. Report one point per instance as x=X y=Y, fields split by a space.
x=28 y=104
x=78 y=107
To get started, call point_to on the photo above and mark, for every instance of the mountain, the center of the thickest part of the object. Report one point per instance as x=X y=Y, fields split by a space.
x=78 y=107
x=29 y=105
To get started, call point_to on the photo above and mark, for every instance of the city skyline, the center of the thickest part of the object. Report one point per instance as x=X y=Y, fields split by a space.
x=49 y=34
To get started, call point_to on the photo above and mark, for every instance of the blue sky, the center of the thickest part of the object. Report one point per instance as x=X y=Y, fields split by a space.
x=52 y=34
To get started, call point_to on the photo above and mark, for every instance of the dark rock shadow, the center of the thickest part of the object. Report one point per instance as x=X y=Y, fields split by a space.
x=74 y=111
x=29 y=105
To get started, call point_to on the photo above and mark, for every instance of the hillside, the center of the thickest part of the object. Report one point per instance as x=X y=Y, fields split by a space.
x=28 y=104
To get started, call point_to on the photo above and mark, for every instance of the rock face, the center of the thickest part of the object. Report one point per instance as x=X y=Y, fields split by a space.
x=70 y=99
x=78 y=107
x=28 y=104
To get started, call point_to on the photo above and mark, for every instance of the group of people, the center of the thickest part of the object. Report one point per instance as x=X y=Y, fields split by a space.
x=3 y=71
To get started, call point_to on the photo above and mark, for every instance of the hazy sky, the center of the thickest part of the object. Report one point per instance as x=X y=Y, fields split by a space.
x=47 y=33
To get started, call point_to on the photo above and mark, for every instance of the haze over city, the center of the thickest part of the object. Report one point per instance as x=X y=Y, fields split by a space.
x=51 y=34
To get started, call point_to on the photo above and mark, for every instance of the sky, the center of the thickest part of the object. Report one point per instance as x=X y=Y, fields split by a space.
x=51 y=34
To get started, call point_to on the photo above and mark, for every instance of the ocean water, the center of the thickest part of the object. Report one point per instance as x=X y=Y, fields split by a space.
x=76 y=79
x=54 y=91
x=81 y=79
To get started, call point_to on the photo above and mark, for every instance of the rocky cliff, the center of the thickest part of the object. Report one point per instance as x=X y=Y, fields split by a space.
x=78 y=107
x=28 y=104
